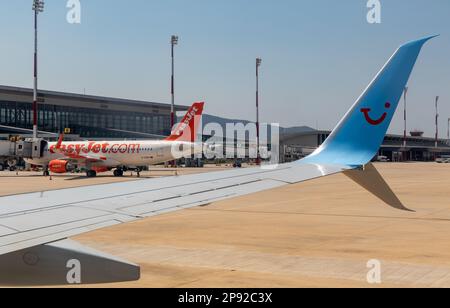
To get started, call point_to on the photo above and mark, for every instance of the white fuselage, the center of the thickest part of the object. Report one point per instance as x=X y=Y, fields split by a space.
x=118 y=153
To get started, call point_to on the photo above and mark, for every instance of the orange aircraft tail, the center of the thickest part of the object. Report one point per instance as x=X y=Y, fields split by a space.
x=187 y=129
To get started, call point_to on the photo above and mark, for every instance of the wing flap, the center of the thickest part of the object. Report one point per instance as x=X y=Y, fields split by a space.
x=42 y=219
x=6 y=231
x=203 y=198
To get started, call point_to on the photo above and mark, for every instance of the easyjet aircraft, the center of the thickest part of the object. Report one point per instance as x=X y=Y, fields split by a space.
x=103 y=156
x=35 y=227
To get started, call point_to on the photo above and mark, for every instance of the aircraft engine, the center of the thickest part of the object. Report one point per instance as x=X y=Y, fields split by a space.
x=60 y=166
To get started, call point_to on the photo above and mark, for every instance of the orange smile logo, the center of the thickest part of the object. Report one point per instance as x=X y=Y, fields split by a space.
x=371 y=121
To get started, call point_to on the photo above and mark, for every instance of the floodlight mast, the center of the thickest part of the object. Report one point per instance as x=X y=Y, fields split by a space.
x=405 y=136
x=437 y=122
x=173 y=43
x=448 y=131
x=38 y=7
x=258 y=154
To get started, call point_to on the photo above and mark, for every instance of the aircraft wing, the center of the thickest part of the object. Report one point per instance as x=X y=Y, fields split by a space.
x=33 y=227
x=38 y=218
x=83 y=158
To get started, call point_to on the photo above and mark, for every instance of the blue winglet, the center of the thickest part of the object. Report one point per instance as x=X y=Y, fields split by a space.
x=359 y=135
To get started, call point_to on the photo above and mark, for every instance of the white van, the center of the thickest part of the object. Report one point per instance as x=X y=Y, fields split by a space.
x=383 y=159
x=444 y=159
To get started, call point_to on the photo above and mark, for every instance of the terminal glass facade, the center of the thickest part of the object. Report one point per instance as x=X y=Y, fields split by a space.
x=83 y=121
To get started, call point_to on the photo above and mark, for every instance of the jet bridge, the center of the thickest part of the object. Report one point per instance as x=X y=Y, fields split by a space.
x=7 y=154
x=31 y=148
x=11 y=151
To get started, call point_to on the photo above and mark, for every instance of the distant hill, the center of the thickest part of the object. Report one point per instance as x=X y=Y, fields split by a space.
x=222 y=121
x=283 y=130
x=296 y=130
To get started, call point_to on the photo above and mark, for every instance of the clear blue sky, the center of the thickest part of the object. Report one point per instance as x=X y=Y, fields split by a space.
x=318 y=55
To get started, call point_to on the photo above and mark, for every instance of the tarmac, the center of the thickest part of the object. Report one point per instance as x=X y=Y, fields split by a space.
x=321 y=233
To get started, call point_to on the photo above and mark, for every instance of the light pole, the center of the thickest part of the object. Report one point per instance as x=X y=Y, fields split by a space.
x=173 y=41
x=258 y=157
x=405 y=94
x=38 y=7
x=448 y=132
x=437 y=122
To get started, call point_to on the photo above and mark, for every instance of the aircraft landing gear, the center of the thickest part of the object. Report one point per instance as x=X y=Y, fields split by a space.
x=118 y=172
x=91 y=174
x=46 y=172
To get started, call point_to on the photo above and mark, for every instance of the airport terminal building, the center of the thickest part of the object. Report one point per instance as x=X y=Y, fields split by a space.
x=418 y=148
x=84 y=116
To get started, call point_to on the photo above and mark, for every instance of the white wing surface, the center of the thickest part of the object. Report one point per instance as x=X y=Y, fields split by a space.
x=38 y=218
